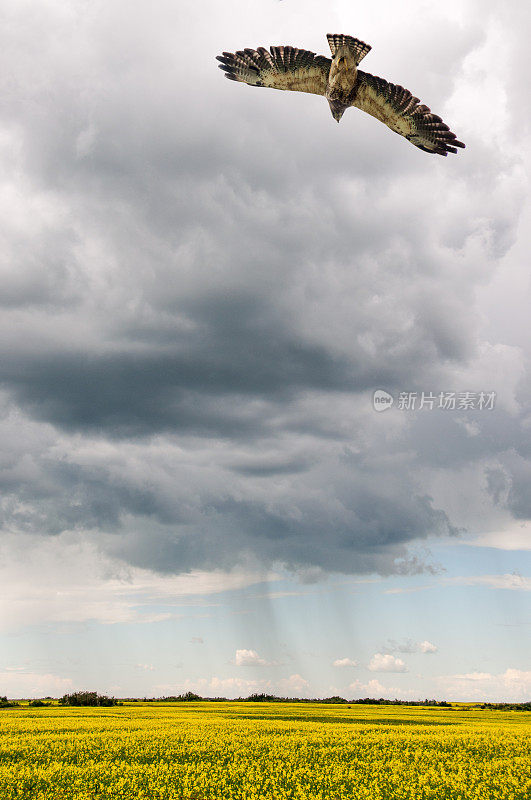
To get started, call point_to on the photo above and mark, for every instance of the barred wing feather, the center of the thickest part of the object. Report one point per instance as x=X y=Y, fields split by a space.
x=400 y=111
x=278 y=68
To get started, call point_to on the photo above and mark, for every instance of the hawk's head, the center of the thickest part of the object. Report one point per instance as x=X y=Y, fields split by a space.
x=337 y=108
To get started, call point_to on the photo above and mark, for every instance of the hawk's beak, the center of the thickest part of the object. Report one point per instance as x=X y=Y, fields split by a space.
x=336 y=109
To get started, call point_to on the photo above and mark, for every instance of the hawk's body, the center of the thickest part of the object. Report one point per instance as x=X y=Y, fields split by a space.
x=344 y=85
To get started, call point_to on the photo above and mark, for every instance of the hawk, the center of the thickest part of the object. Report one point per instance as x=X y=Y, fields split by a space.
x=344 y=85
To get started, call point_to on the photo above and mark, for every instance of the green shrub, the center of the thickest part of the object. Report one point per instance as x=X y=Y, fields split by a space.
x=87 y=699
x=5 y=703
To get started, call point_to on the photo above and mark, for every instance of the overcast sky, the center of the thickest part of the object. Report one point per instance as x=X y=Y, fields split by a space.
x=202 y=286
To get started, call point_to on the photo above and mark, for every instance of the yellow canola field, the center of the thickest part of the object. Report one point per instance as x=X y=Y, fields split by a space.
x=254 y=751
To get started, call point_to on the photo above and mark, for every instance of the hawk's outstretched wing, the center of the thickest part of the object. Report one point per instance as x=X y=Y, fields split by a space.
x=400 y=111
x=278 y=68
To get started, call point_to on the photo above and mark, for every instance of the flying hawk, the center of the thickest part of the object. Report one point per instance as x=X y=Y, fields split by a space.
x=344 y=85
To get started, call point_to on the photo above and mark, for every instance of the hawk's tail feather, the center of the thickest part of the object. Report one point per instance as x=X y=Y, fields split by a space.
x=359 y=48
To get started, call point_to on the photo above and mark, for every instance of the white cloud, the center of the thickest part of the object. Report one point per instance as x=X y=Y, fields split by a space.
x=67 y=579
x=230 y=684
x=512 y=580
x=373 y=688
x=511 y=685
x=345 y=662
x=20 y=684
x=216 y=686
x=295 y=683
x=250 y=658
x=385 y=662
x=409 y=646
x=235 y=687
x=515 y=537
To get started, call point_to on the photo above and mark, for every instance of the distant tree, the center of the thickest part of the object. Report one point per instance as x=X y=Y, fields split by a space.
x=336 y=699
x=263 y=698
x=87 y=699
x=5 y=703
x=38 y=704
x=187 y=697
x=507 y=706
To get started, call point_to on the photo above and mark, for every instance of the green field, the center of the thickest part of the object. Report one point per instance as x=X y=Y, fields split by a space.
x=251 y=751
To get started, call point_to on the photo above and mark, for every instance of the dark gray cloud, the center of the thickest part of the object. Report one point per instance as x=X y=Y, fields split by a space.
x=204 y=283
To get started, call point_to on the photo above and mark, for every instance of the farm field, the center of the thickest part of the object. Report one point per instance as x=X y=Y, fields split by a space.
x=254 y=751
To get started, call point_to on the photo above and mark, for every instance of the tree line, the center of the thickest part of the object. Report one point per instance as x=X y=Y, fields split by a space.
x=190 y=697
x=86 y=698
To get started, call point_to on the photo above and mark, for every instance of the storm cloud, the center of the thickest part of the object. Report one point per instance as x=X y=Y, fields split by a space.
x=204 y=284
